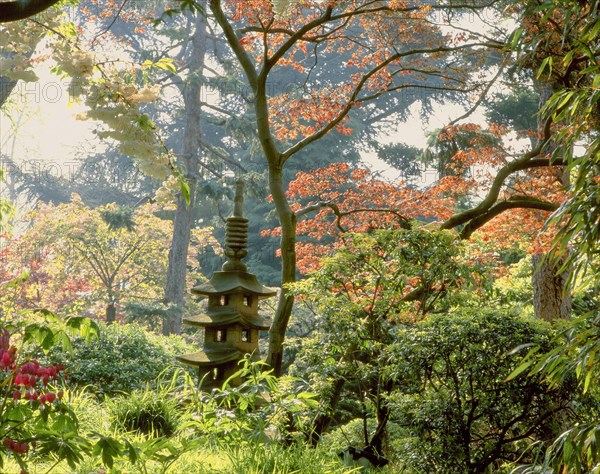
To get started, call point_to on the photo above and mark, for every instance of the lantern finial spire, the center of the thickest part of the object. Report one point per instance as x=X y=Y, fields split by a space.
x=236 y=234
x=238 y=209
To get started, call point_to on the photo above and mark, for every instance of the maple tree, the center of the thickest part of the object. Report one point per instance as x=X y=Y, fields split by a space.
x=339 y=199
x=403 y=49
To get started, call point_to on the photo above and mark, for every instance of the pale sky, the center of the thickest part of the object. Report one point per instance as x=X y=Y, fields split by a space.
x=39 y=128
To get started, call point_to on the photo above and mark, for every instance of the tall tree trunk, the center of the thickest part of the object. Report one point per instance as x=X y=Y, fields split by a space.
x=111 y=312
x=287 y=218
x=176 y=271
x=175 y=288
x=551 y=300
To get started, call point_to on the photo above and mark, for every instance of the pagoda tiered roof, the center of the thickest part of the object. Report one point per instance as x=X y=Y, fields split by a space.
x=228 y=316
x=209 y=358
x=235 y=281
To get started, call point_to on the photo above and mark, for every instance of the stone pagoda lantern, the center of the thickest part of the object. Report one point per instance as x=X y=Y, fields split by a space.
x=231 y=322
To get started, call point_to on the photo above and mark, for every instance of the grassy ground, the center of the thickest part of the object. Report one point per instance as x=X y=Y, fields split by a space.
x=243 y=460
x=207 y=457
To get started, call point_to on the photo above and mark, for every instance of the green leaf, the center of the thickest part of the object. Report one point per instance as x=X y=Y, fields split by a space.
x=64 y=423
x=516 y=37
x=164 y=64
x=519 y=370
x=588 y=379
x=185 y=189
x=67 y=29
x=109 y=448
x=64 y=340
x=132 y=452
x=546 y=63
x=43 y=312
x=40 y=335
x=84 y=327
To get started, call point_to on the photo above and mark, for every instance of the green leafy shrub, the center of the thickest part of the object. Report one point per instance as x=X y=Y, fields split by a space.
x=261 y=409
x=123 y=358
x=454 y=397
x=372 y=284
x=147 y=412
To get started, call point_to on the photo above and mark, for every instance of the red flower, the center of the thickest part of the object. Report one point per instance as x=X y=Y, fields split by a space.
x=5 y=360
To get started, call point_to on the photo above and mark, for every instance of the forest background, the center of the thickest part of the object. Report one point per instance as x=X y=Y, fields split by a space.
x=408 y=292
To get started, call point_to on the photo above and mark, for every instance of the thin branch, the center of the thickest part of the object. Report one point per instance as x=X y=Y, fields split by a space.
x=515 y=202
x=404 y=222
x=482 y=96
x=221 y=155
x=243 y=57
x=105 y=30
x=358 y=88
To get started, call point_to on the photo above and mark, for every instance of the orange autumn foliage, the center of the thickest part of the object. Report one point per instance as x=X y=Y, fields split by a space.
x=379 y=41
x=362 y=203
x=344 y=199
x=528 y=229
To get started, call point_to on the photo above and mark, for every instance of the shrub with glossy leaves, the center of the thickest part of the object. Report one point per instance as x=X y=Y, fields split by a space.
x=453 y=394
x=123 y=358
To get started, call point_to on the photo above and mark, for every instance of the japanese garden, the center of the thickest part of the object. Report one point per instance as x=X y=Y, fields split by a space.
x=299 y=236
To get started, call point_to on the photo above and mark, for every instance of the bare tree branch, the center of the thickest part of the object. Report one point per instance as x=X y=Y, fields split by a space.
x=527 y=161
x=515 y=202
x=21 y=9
